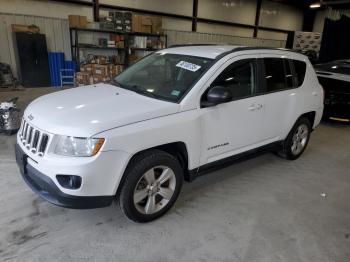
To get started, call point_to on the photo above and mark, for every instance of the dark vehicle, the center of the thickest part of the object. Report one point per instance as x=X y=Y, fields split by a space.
x=335 y=79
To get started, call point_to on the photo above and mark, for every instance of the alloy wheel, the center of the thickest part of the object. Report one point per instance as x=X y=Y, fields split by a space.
x=154 y=189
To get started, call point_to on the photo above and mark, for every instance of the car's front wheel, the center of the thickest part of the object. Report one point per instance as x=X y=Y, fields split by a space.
x=152 y=184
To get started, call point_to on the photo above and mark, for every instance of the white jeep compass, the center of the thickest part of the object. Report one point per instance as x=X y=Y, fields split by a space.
x=172 y=116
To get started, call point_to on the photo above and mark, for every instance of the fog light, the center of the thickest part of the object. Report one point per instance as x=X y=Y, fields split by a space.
x=69 y=181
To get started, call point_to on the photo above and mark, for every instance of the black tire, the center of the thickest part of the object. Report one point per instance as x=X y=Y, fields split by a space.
x=136 y=169
x=287 y=151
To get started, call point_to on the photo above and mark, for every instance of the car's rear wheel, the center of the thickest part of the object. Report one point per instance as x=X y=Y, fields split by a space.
x=297 y=139
x=152 y=185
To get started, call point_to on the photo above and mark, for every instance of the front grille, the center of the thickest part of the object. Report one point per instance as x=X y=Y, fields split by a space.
x=33 y=139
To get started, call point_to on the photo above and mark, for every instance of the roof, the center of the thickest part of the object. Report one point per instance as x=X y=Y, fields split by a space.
x=213 y=51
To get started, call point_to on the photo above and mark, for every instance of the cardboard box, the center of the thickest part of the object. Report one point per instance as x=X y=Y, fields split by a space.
x=74 y=20
x=136 y=23
x=83 y=78
x=83 y=21
x=101 y=70
x=157 y=25
x=146 y=24
x=98 y=78
x=25 y=28
x=77 y=21
x=101 y=59
x=87 y=68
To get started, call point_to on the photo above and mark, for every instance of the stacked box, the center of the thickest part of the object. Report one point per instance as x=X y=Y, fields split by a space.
x=101 y=70
x=99 y=78
x=83 y=78
x=77 y=21
x=101 y=60
x=146 y=24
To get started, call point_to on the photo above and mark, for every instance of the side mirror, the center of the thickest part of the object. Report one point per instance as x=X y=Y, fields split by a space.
x=217 y=95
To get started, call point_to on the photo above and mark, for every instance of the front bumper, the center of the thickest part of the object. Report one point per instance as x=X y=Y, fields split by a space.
x=45 y=187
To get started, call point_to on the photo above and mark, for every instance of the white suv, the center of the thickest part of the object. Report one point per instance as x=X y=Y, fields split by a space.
x=172 y=116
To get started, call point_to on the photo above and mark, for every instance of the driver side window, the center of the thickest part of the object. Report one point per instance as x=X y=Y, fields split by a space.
x=239 y=78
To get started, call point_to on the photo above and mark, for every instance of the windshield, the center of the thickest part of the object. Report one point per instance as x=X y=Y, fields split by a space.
x=164 y=76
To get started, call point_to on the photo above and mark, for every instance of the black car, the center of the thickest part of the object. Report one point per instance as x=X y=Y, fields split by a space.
x=335 y=79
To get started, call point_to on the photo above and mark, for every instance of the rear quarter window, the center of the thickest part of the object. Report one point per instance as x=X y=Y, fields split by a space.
x=300 y=70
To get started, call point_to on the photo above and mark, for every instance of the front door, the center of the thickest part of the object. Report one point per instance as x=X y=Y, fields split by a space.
x=233 y=127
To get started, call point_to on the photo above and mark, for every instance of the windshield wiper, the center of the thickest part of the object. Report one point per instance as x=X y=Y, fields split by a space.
x=116 y=83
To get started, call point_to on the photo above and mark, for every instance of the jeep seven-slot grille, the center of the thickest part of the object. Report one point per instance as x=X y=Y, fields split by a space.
x=33 y=139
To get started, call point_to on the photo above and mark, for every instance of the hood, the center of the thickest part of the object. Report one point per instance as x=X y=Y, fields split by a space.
x=88 y=110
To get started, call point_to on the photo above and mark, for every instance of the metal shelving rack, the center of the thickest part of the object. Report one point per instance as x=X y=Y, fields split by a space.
x=76 y=46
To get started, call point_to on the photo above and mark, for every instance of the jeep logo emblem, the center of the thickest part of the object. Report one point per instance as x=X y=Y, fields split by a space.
x=30 y=117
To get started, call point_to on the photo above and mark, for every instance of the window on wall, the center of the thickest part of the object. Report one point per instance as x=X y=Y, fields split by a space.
x=239 y=78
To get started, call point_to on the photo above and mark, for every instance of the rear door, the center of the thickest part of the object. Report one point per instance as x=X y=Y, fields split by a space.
x=281 y=96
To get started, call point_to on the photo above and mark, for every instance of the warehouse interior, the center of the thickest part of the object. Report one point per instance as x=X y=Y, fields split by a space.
x=261 y=208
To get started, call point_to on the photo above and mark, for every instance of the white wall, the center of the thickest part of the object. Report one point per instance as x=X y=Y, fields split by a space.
x=182 y=7
x=44 y=8
x=272 y=35
x=280 y=16
x=238 y=11
x=224 y=30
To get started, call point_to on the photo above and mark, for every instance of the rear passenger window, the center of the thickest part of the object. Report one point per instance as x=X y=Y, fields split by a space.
x=300 y=69
x=278 y=74
x=274 y=74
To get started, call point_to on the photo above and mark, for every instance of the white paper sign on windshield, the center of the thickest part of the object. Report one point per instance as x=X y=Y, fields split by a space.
x=188 y=66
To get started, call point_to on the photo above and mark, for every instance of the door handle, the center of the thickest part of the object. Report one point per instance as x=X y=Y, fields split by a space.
x=259 y=106
x=314 y=93
x=252 y=107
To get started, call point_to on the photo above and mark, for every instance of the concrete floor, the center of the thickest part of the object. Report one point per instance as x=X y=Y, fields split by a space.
x=262 y=210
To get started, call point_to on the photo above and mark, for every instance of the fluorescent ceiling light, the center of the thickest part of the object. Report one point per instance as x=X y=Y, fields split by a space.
x=315 y=5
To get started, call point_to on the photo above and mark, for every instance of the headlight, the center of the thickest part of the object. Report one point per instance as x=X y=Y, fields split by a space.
x=77 y=146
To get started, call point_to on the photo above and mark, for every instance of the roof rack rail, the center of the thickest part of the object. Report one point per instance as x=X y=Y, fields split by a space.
x=184 y=45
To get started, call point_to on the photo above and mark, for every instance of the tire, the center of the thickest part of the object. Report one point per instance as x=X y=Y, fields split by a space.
x=296 y=142
x=152 y=184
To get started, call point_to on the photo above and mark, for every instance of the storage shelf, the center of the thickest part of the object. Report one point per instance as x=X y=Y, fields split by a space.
x=75 y=45
x=144 y=49
x=98 y=47
x=97 y=30
x=144 y=34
